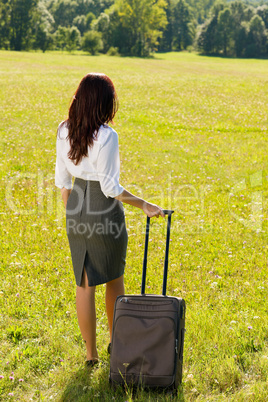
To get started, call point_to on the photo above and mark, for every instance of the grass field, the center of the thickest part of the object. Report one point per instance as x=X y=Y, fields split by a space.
x=193 y=137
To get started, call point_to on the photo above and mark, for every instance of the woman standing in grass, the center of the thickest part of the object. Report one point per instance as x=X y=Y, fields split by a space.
x=87 y=149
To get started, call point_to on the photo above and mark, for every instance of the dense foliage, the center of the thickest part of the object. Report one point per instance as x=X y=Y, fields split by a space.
x=235 y=29
x=136 y=27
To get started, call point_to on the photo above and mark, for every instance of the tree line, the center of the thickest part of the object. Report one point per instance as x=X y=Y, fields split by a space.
x=236 y=29
x=136 y=27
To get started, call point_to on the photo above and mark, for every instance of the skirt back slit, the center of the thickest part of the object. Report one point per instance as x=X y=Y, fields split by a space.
x=96 y=232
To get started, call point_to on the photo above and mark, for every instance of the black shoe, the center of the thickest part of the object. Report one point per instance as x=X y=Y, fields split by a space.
x=109 y=348
x=91 y=363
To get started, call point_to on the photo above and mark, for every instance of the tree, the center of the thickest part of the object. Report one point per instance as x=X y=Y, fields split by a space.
x=21 y=13
x=43 y=39
x=73 y=39
x=95 y=6
x=165 y=43
x=102 y=25
x=42 y=27
x=61 y=37
x=92 y=42
x=249 y=13
x=83 y=7
x=201 y=9
x=210 y=36
x=237 y=9
x=115 y=35
x=144 y=22
x=89 y=18
x=207 y=36
x=64 y=12
x=238 y=27
x=183 y=31
x=262 y=11
x=4 y=24
x=81 y=23
x=257 y=38
x=225 y=29
x=241 y=39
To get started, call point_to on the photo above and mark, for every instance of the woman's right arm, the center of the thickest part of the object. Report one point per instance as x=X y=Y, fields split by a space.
x=108 y=167
x=148 y=208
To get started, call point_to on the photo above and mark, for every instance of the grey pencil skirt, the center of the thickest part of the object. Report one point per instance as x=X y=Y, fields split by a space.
x=96 y=232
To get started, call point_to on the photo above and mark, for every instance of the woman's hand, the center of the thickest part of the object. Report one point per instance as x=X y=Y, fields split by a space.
x=152 y=210
x=65 y=195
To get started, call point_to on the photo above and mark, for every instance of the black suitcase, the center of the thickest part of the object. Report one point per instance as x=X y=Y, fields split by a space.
x=148 y=334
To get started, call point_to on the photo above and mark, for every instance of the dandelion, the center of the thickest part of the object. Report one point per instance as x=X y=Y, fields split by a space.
x=214 y=284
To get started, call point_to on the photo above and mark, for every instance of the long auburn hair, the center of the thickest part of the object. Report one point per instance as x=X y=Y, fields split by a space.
x=95 y=103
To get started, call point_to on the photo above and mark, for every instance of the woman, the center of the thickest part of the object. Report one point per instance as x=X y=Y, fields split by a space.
x=87 y=149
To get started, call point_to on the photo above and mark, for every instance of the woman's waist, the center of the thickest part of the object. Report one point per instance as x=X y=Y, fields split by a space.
x=87 y=182
x=87 y=195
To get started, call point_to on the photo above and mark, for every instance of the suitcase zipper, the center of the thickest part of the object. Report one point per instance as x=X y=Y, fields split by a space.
x=143 y=302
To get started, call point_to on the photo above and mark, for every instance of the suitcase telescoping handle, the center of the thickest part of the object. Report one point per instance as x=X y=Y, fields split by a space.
x=169 y=213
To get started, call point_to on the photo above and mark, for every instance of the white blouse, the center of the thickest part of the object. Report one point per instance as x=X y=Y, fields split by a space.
x=101 y=164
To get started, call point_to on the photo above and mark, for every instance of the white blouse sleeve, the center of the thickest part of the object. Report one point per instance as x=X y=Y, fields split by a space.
x=62 y=177
x=108 y=166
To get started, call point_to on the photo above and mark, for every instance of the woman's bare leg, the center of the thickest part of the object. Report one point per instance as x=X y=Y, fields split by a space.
x=86 y=314
x=113 y=289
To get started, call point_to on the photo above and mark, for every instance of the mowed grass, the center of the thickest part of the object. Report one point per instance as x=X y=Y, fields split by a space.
x=193 y=137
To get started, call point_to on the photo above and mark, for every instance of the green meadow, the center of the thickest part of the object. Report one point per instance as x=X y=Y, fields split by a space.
x=193 y=137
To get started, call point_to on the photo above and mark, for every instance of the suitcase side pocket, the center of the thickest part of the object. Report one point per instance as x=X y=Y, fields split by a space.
x=144 y=350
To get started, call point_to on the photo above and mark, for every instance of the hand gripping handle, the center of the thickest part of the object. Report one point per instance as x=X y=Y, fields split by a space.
x=169 y=213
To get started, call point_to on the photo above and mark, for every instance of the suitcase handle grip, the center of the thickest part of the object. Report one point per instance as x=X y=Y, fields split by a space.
x=169 y=213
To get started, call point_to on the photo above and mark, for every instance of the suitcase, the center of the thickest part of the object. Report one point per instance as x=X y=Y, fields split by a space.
x=148 y=334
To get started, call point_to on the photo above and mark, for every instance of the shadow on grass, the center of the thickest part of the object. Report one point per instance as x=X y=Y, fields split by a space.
x=229 y=57
x=93 y=384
